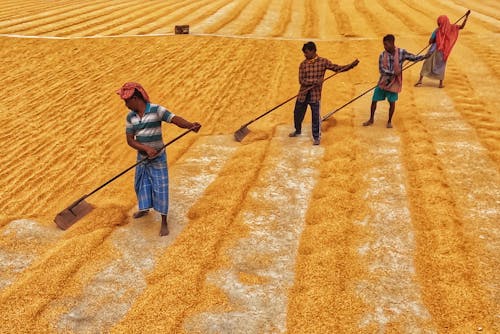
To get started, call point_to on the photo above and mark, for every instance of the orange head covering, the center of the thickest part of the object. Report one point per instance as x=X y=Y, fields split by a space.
x=446 y=35
x=128 y=89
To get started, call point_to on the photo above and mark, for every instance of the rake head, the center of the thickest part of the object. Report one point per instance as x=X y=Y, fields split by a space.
x=241 y=133
x=66 y=218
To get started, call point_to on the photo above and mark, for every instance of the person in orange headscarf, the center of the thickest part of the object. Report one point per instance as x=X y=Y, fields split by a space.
x=442 y=41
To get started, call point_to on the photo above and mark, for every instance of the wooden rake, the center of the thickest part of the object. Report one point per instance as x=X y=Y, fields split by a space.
x=244 y=130
x=67 y=217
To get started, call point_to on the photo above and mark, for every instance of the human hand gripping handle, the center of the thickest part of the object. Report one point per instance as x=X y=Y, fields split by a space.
x=349 y=66
x=151 y=152
x=195 y=127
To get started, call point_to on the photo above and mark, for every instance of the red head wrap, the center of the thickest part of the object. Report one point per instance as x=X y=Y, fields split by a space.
x=446 y=36
x=128 y=89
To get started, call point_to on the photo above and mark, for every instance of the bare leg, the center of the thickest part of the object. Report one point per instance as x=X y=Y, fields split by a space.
x=441 y=84
x=392 y=108
x=164 y=227
x=419 y=82
x=373 y=107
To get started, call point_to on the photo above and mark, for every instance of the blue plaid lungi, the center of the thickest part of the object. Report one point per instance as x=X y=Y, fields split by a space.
x=151 y=184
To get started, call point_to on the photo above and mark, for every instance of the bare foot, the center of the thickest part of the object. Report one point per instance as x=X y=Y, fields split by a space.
x=140 y=214
x=441 y=86
x=418 y=84
x=368 y=122
x=389 y=125
x=164 y=230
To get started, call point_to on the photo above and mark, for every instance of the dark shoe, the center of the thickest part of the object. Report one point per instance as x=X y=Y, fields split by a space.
x=316 y=142
x=293 y=134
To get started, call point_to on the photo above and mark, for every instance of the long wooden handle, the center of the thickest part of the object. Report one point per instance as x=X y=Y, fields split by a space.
x=284 y=102
x=126 y=170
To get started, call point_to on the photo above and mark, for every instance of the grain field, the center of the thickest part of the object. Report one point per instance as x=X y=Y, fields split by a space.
x=374 y=231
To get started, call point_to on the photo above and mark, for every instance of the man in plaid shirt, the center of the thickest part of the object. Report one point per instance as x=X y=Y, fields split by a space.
x=311 y=73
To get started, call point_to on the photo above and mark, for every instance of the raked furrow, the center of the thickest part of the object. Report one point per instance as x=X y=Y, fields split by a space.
x=475 y=181
x=111 y=292
x=266 y=257
x=390 y=290
x=22 y=241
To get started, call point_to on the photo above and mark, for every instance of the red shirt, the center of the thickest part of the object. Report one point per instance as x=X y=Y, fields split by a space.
x=311 y=72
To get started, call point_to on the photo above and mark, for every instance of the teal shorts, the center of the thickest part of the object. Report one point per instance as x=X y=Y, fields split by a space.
x=380 y=94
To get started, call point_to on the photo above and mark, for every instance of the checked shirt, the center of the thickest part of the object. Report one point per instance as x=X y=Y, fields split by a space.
x=312 y=72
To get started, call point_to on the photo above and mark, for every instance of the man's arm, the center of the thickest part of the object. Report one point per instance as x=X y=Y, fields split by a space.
x=151 y=152
x=341 y=68
x=182 y=123
x=347 y=67
x=333 y=67
x=412 y=57
x=465 y=21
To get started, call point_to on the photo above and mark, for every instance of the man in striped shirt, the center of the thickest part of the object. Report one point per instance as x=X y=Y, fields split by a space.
x=390 y=65
x=311 y=73
x=143 y=131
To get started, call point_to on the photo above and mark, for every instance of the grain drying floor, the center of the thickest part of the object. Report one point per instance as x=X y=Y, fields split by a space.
x=374 y=231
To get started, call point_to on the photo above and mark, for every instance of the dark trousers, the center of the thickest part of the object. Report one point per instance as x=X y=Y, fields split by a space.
x=300 y=111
